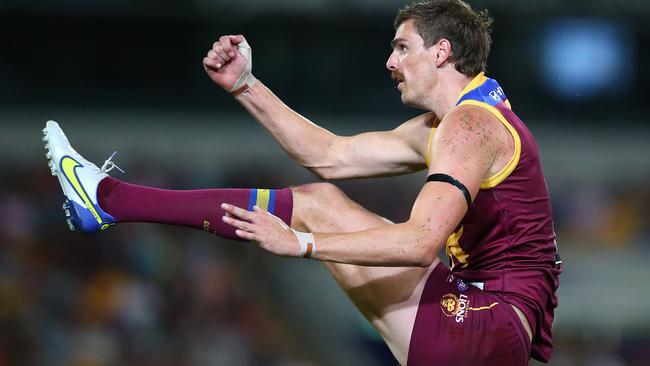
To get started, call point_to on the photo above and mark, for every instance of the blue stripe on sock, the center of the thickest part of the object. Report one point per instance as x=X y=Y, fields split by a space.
x=252 y=199
x=272 y=201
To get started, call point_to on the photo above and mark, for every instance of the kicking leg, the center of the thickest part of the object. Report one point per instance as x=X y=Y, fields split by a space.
x=387 y=296
x=199 y=209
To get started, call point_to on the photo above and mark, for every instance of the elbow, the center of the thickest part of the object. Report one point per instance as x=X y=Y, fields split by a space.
x=326 y=172
x=329 y=165
x=426 y=241
x=322 y=173
x=426 y=258
x=426 y=252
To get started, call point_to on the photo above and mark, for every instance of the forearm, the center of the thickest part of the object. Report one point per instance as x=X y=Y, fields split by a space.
x=304 y=141
x=399 y=245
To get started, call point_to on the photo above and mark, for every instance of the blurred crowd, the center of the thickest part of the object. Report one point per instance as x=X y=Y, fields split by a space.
x=602 y=214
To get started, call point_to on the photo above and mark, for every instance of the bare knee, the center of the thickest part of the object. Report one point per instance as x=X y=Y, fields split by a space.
x=323 y=207
x=321 y=193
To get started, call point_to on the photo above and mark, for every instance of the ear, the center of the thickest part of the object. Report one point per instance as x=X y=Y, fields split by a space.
x=443 y=51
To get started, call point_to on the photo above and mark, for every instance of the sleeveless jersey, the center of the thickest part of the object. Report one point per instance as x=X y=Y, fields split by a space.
x=506 y=243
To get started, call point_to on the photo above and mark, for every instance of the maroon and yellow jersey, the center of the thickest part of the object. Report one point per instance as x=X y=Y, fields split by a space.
x=506 y=243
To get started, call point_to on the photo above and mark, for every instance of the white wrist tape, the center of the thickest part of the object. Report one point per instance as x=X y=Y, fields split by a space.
x=246 y=80
x=307 y=244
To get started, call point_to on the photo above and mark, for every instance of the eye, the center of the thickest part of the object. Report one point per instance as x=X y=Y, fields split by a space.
x=402 y=48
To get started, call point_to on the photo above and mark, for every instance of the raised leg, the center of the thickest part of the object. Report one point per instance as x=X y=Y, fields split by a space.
x=387 y=296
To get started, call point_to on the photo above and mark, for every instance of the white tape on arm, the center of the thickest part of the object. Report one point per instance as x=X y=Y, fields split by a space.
x=246 y=80
x=307 y=244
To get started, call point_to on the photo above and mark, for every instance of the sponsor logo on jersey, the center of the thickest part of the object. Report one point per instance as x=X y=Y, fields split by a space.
x=462 y=285
x=497 y=94
x=455 y=306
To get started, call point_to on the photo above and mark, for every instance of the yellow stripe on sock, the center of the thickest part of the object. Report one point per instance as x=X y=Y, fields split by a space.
x=263 y=196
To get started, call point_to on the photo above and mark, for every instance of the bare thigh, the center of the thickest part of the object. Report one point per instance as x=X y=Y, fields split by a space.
x=387 y=296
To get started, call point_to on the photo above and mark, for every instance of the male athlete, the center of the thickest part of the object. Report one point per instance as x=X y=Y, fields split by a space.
x=485 y=200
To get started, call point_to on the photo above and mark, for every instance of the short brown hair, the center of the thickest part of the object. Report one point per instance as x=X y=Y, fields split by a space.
x=467 y=30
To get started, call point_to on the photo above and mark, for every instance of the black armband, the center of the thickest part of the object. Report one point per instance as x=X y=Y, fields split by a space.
x=439 y=177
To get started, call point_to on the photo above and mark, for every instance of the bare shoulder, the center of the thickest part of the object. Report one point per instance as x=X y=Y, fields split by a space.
x=472 y=130
x=470 y=122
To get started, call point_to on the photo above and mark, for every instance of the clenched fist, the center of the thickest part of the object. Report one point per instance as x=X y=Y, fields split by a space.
x=229 y=64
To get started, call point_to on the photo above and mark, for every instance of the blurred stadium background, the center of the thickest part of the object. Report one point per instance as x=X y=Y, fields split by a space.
x=126 y=75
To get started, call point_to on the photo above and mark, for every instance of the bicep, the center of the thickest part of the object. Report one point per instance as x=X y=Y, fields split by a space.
x=382 y=153
x=378 y=154
x=436 y=213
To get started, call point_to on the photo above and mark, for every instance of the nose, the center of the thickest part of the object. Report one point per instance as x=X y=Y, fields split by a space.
x=391 y=64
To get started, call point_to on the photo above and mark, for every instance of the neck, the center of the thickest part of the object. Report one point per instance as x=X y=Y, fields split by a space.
x=447 y=90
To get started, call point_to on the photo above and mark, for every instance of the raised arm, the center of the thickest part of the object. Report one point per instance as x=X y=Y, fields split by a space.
x=330 y=156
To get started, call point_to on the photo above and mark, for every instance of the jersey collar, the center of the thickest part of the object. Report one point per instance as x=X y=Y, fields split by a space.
x=475 y=83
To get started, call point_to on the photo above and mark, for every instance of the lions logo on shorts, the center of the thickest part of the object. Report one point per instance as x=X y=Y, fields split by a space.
x=449 y=304
x=452 y=306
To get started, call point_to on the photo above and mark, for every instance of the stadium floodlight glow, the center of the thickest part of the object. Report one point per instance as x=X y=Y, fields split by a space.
x=586 y=58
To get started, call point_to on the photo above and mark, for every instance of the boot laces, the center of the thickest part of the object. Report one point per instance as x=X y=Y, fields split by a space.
x=109 y=164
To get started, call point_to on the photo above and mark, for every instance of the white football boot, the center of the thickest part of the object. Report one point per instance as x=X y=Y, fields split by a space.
x=79 y=180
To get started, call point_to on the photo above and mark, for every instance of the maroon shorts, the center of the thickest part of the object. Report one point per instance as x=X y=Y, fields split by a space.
x=459 y=324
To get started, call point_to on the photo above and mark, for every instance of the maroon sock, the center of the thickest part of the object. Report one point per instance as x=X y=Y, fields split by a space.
x=200 y=209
